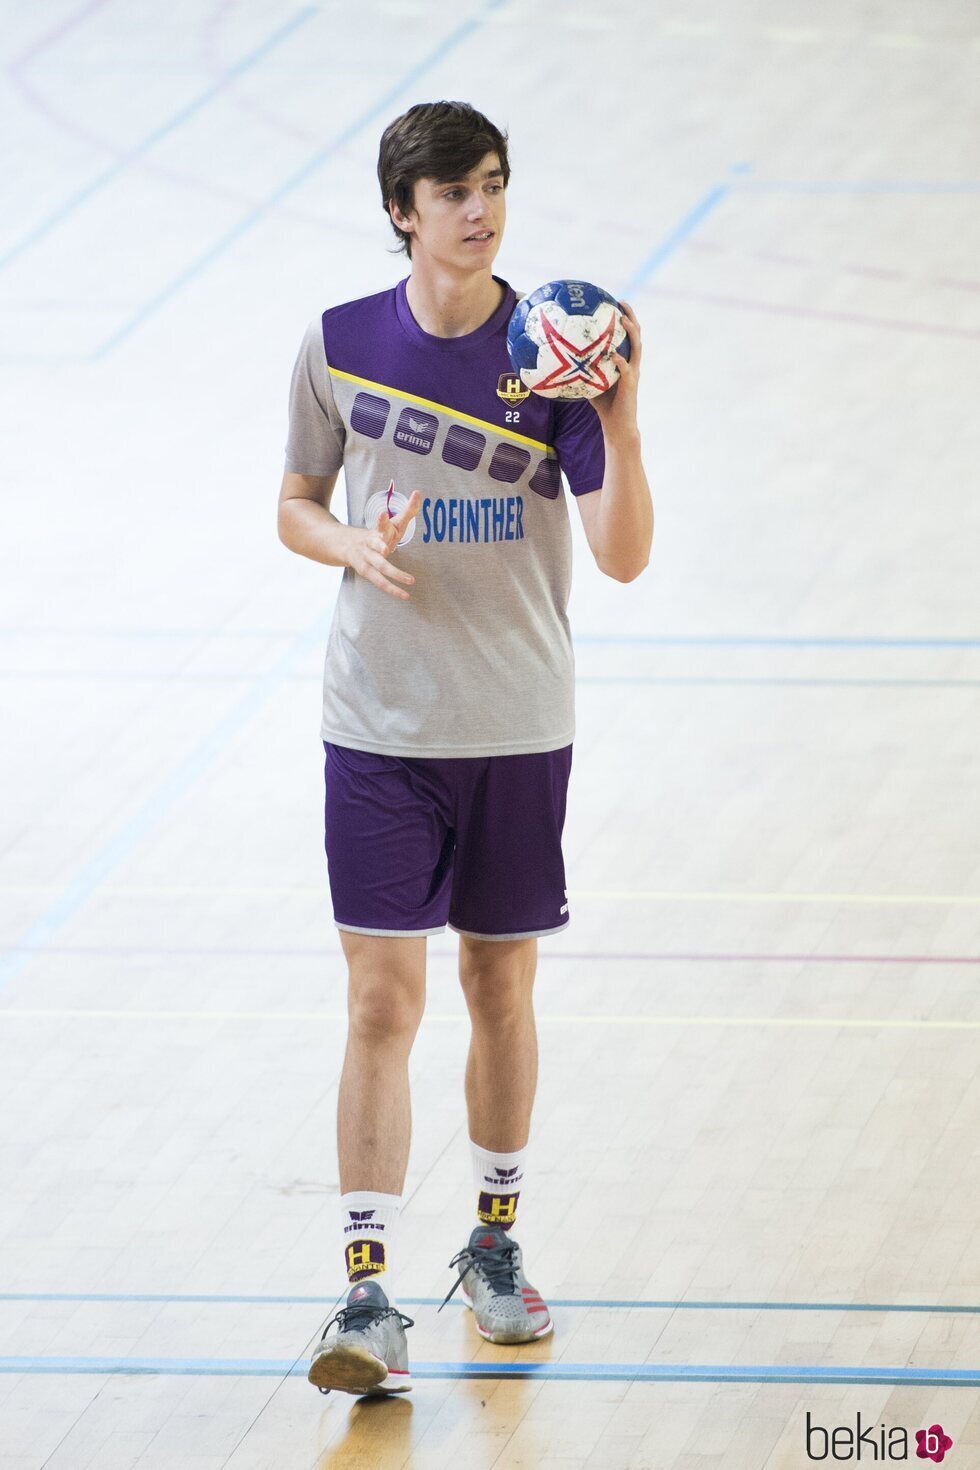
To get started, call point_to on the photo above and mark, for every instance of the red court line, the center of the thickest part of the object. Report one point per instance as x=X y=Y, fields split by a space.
x=68 y=24
x=778 y=257
x=848 y=318
x=682 y=956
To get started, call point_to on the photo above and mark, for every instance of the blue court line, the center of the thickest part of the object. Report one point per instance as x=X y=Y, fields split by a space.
x=156 y=806
x=667 y=246
x=322 y=156
x=191 y=109
x=580 y=1303
x=593 y=1372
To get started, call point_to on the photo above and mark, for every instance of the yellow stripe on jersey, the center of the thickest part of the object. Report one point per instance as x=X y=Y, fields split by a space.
x=443 y=408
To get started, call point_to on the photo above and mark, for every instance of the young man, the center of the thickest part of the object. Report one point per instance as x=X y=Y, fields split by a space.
x=447 y=697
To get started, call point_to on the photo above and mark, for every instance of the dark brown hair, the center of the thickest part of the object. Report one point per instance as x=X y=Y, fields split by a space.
x=433 y=140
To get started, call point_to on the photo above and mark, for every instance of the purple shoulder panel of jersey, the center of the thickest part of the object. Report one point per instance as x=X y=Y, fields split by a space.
x=377 y=340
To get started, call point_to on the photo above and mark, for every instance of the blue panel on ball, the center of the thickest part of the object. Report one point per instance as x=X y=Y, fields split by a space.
x=581 y=298
x=523 y=352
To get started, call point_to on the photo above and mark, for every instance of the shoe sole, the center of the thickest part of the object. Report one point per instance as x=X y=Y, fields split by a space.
x=355 y=1370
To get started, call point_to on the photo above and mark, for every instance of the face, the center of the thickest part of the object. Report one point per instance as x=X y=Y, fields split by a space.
x=458 y=223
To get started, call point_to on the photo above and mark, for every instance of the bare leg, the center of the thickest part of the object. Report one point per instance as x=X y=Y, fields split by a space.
x=385 y=1000
x=497 y=977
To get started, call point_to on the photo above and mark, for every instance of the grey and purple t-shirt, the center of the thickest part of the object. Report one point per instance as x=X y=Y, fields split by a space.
x=479 y=660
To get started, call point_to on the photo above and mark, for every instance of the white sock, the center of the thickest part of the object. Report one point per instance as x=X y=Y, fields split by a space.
x=367 y=1224
x=497 y=1179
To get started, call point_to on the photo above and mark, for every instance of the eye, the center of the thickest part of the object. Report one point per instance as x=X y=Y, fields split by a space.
x=452 y=194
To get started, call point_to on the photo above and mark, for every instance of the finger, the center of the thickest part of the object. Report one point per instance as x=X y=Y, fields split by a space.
x=411 y=510
x=633 y=337
x=383 y=584
x=628 y=366
x=632 y=330
x=388 y=569
x=622 y=364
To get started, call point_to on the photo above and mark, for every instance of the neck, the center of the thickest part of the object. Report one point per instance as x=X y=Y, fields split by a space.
x=447 y=304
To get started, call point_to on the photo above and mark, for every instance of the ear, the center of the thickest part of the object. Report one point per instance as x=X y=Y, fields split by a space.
x=404 y=222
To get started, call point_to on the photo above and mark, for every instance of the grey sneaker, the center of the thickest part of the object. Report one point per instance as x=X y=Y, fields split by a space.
x=368 y=1352
x=506 y=1308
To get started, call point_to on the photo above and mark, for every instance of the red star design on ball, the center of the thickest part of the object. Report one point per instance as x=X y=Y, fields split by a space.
x=577 y=364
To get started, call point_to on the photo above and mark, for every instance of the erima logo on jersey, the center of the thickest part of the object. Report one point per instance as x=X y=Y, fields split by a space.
x=416 y=430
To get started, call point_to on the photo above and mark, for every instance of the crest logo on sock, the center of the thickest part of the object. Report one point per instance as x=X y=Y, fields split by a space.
x=497 y=1209
x=365 y=1258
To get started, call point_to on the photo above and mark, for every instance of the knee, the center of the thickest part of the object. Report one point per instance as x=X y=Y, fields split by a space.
x=497 y=994
x=383 y=1012
x=385 y=1004
x=386 y=987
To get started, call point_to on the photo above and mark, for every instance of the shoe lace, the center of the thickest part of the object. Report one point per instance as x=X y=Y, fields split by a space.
x=363 y=1314
x=496 y=1263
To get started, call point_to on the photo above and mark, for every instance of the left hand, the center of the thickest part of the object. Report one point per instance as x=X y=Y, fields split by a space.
x=617 y=406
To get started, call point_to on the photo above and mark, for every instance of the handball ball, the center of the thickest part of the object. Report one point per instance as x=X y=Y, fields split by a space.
x=561 y=339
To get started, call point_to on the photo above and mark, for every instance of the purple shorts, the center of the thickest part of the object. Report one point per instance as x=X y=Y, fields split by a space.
x=472 y=841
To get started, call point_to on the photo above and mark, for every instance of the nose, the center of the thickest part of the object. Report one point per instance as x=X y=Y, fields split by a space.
x=477 y=207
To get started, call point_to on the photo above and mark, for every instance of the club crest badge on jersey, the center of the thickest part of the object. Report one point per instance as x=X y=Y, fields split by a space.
x=392 y=501
x=511 y=389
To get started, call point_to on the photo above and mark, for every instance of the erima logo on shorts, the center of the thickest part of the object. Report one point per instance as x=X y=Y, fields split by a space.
x=364 y=1258
x=496 y=1209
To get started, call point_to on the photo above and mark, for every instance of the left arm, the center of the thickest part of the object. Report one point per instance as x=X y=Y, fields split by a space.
x=618 y=518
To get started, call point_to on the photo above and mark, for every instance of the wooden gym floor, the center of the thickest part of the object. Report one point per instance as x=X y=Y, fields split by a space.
x=755 y=1180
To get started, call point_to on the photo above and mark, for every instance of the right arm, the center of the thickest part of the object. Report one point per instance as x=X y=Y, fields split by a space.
x=308 y=526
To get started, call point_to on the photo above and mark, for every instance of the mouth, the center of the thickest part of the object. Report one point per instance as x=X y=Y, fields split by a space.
x=481 y=237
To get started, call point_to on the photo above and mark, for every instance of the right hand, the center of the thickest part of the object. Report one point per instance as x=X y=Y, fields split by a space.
x=372 y=547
